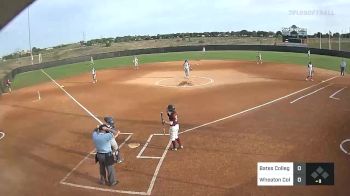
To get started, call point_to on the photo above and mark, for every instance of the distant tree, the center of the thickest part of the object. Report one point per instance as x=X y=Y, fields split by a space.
x=336 y=34
x=243 y=33
x=108 y=43
x=278 y=34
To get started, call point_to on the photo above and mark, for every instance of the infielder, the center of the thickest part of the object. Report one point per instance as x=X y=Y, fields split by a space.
x=93 y=72
x=136 y=62
x=187 y=69
x=259 y=58
x=174 y=127
x=310 y=71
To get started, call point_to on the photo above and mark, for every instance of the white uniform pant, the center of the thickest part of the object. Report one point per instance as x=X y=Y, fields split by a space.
x=114 y=145
x=187 y=72
x=174 y=132
x=310 y=72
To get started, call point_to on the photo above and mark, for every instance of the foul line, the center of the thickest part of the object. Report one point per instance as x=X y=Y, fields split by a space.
x=332 y=96
x=313 y=92
x=221 y=119
x=86 y=157
x=2 y=135
x=92 y=152
x=149 y=191
x=59 y=86
x=256 y=107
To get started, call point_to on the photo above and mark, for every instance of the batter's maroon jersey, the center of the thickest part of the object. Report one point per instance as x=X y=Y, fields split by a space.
x=173 y=118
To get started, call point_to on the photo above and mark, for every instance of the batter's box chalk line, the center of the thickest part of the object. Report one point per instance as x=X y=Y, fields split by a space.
x=154 y=177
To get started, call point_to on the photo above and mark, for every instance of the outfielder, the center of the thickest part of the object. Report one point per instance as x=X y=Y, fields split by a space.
x=136 y=62
x=174 y=127
x=187 y=69
x=259 y=58
x=342 y=67
x=310 y=71
x=93 y=72
x=92 y=61
x=309 y=54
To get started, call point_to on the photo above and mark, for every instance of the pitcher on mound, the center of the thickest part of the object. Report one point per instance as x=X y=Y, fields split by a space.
x=187 y=69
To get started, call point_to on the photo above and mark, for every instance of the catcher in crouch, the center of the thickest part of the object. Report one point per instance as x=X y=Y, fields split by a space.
x=174 y=127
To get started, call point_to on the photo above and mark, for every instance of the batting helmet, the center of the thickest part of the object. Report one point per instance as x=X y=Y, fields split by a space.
x=171 y=108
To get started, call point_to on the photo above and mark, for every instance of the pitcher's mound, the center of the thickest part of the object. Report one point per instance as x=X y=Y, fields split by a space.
x=185 y=83
x=193 y=81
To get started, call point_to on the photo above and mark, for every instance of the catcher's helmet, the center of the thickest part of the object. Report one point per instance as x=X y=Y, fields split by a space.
x=171 y=108
x=109 y=120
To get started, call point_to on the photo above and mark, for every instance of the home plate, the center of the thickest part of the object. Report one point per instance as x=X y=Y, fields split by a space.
x=133 y=145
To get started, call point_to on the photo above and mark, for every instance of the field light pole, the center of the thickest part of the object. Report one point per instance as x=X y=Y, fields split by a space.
x=329 y=40
x=29 y=39
x=340 y=39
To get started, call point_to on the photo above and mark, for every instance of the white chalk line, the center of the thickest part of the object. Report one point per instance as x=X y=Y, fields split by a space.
x=313 y=92
x=69 y=95
x=332 y=96
x=145 y=146
x=256 y=107
x=2 y=135
x=139 y=156
x=149 y=191
x=342 y=148
x=221 y=119
x=103 y=189
x=91 y=153
x=210 y=80
x=86 y=157
x=97 y=188
x=169 y=143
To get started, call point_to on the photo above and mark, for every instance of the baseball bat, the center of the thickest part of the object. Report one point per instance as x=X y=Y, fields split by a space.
x=162 y=120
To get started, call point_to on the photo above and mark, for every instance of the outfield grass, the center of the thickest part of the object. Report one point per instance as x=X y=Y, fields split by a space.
x=36 y=77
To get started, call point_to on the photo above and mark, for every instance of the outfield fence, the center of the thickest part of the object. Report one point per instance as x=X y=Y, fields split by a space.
x=11 y=75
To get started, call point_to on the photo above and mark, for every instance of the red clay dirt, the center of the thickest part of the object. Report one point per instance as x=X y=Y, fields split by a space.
x=46 y=139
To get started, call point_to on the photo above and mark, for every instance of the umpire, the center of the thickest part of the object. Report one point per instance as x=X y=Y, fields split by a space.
x=102 y=137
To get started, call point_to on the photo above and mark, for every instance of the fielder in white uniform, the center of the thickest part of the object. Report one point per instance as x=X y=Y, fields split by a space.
x=310 y=72
x=93 y=72
x=92 y=61
x=187 y=69
x=136 y=62
x=259 y=58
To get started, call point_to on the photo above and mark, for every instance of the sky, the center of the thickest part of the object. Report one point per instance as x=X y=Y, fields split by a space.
x=55 y=22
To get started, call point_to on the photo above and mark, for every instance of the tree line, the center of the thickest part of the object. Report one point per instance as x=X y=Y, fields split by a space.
x=107 y=42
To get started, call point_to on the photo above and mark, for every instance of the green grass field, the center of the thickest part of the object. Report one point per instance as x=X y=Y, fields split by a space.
x=36 y=77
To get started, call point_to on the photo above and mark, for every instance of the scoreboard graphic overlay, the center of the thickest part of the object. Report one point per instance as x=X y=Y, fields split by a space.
x=294 y=173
